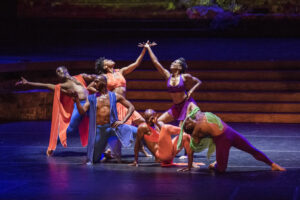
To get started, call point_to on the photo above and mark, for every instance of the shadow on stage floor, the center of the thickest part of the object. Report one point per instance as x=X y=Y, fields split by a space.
x=27 y=173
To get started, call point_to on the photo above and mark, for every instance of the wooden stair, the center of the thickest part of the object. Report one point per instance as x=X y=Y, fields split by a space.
x=243 y=91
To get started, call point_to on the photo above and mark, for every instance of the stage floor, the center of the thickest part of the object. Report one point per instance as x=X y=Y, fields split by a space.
x=27 y=173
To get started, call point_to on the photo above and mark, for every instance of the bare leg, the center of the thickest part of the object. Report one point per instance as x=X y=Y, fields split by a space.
x=164 y=119
x=165 y=143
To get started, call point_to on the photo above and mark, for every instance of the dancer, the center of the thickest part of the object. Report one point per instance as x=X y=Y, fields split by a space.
x=177 y=82
x=117 y=83
x=203 y=124
x=159 y=142
x=103 y=120
x=65 y=117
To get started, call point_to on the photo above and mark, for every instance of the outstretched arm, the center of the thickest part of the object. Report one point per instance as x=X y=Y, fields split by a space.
x=131 y=67
x=192 y=81
x=128 y=105
x=164 y=72
x=35 y=84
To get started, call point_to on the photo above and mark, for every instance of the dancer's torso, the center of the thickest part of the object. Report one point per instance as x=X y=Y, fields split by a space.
x=151 y=139
x=103 y=110
x=210 y=124
x=76 y=86
x=116 y=82
x=176 y=88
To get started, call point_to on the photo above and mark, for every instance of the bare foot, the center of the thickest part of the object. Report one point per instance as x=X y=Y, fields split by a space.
x=212 y=165
x=49 y=152
x=195 y=165
x=276 y=167
x=182 y=157
x=142 y=150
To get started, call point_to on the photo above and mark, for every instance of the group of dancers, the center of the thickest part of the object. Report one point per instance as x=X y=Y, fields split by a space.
x=95 y=107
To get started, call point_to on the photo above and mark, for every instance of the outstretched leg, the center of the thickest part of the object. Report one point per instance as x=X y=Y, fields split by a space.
x=242 y=143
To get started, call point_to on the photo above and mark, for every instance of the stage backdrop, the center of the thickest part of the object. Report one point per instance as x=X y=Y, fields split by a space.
x=145 y=9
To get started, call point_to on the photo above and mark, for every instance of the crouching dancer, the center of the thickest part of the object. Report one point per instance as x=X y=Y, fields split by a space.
x=104 y=126
x=206 y=124
x=159 y=142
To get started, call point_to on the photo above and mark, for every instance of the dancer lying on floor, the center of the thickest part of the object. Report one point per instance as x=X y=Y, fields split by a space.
x=65 y=117
x=205 y=124
x=159 y=142
x=104 y=126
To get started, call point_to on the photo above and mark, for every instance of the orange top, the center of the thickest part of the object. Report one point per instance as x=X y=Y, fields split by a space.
x=153 y=137
x=115 y=80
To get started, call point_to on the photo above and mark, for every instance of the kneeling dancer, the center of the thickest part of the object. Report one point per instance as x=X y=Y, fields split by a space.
x=206 y=124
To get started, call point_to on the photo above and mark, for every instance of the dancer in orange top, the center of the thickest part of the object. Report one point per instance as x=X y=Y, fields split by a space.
x=64 y=114
x=159 y=141
x=117 y=83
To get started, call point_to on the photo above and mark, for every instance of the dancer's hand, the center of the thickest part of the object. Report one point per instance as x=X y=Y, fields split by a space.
x=23 y=81
x=73 y=94
x=147 y=44
x=134 y=164
x=186 y=169
x=117 y=123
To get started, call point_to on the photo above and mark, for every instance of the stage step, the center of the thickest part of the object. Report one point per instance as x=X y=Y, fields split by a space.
x=243 y=91
x=275 y=86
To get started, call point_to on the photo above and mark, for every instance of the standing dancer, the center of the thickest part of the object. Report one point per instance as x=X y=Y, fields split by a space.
x=177 y=82
x=65 y=117
x=104 y=126
x=117 y=83
x=202 y=125
x=159 y=142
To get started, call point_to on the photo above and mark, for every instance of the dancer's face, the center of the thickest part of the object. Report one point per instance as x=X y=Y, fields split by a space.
x=61 y=73
x=100 y=83
x=108 y=64
x=189 y=125
x=150 y=116
x=175 y=67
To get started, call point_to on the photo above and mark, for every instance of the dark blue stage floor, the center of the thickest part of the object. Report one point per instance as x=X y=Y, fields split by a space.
x=27 y=173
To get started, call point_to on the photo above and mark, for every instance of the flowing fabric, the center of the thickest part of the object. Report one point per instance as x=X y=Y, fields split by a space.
x=62 y=109
x=123 y=132
x=206 y=142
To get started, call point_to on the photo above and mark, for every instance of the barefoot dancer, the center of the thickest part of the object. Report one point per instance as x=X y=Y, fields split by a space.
x=65 y=117
x=104 y=126
x=177 y=82
x=159 y=142
x=203 y=124
x=117 y=83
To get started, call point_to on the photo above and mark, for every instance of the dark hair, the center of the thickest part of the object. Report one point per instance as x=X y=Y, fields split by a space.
x=63 y=68
x=99 y=66
x=188 y=131
x=182 y=64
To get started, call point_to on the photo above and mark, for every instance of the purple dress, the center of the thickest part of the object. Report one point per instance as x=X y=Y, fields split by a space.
x=178 y=111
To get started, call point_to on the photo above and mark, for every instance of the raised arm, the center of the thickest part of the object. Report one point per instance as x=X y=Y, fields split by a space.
x=164 y=72
x=131 y=67
x=192 y=82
